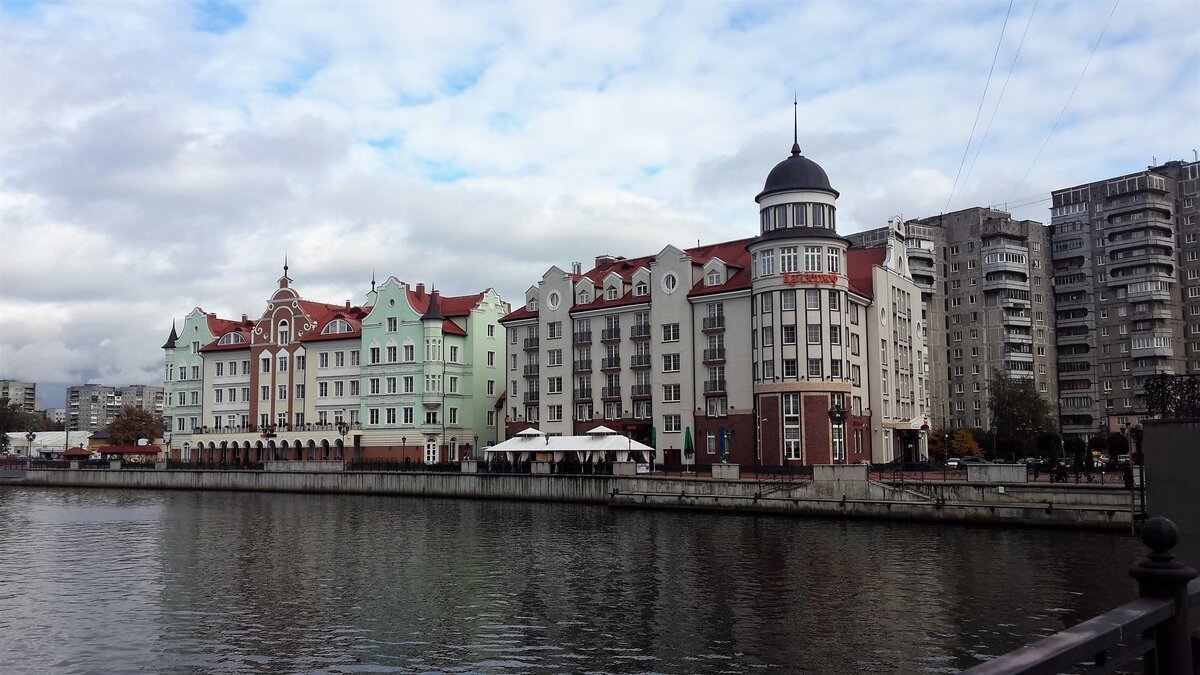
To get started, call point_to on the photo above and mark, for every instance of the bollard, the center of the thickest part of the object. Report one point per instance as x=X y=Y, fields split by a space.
x=1161 y=575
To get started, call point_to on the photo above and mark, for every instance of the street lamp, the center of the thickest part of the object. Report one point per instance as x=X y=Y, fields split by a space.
x=342 y=428
x=29 y=436
x=837 y=416
x=1136 y=433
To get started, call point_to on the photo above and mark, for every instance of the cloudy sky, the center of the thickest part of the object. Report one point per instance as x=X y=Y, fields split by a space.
x=157 y=156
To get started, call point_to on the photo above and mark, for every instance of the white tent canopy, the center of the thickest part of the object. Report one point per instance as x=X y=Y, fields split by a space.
x=594 y=446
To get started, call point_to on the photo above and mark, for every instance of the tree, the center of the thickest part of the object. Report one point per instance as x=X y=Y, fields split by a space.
x=14 y=418
x=939 y=446
x=1019 y=413
x=964 y=445
x=133 y=424
x=1048 y=444
x=1117 y=445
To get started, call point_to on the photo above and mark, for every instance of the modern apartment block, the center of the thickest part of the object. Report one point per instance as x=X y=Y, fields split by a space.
x=1126 y=256
x=408 y=375
x=91 y=407
x=780 y=349
x=23 y=394
x=985 y=281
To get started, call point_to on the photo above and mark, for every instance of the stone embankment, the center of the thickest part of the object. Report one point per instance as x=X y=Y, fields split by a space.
x=835 y=491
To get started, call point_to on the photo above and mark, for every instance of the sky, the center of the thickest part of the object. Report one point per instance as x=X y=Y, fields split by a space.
x=160 y=156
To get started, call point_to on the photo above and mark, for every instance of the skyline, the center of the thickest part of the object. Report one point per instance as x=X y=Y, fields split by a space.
x=470 y=147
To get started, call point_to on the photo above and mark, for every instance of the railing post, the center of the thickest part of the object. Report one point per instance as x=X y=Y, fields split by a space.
x=1161 y=575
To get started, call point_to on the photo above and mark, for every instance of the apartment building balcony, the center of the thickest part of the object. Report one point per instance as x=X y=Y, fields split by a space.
x=926 y=283
x=1026 y=357
x=1014 y=303
x=1018 y=338
x=584 y=394
x=713 y=324
x=1137 y=221
x=1076 y=317
x=1157 y=312
x=640 y=391
x=610 y=393
x=714 y=356
x=1163 y=259
x=1159 y=292
x=1002 y=282
x=1154 y=238
x=531 y=396
x=1154 y=273
x=1139 y=202
x=531 y=344
x=639 y=331
x=1016 y=320
x=639 y=361
x=1074 y=366
x=1020 y=374
x=1007 y=266
x=714 y=387
x=583 y=337
x=610 y=335
x=583 y=366
x=610 y=363
x=920 y=253
x=531 y=370
x=1164 y=351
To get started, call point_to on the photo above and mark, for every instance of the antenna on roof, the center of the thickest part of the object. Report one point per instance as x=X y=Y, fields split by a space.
x=285 y=265
x=795 y=124
x=372 y=279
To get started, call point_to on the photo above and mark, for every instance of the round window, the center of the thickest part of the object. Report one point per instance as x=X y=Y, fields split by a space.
x=552 y=300
x=670 y=282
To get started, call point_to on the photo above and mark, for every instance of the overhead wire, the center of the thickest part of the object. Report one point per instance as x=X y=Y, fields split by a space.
x=1004 y=88
x=1069 y=97
x=979 y=110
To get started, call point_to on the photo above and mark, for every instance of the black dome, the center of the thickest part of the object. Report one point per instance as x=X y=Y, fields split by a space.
x=796 y=173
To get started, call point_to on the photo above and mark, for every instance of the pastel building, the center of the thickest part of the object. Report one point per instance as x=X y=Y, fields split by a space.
x=785 y=348
x=401 y=377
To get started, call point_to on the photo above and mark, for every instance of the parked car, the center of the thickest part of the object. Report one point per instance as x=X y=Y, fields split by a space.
x=954 y=463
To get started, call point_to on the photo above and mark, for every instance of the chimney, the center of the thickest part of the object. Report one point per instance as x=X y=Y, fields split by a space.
x=420 y=290
x=604 y=260
x=576 y=268
x=245 y=318
x=347 y=304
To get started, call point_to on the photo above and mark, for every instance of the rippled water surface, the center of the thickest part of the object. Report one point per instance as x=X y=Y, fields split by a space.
x=120 y=581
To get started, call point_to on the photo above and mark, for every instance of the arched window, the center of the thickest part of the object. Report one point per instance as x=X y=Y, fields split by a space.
x=336 y=326
x=584 y=297
x=232 y=339
x=610 y=293
x=714 y=278
x=641 y=288
x=284 y=332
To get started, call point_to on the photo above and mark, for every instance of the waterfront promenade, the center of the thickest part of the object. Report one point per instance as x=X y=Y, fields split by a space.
x=833 y=491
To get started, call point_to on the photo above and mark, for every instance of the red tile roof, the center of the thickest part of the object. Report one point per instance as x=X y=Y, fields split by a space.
x=860 y=264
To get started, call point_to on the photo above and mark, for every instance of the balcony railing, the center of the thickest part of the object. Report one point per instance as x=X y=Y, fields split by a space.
x=639 y=330
x=610 y=362
x=583 y=394
x=714 y=322
x=639 y=361
x=582 y=337
x=272 y=428
x=532 y=396
x=531 y=343
x=610 y=392
x=715 y=354
x=583 y=365
x=640 y=391
x=711 y=386
x=610 y=334
x=531 y=371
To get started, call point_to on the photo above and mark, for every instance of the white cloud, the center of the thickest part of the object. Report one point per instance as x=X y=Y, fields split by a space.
x=147 y=167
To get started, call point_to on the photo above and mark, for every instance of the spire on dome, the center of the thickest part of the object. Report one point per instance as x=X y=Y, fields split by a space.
x=795 y=125
x=283 y=280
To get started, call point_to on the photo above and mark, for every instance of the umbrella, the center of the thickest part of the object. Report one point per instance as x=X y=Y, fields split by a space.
x=687 y=442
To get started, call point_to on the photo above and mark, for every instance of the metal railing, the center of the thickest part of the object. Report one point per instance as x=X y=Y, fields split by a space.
x=1157 y=627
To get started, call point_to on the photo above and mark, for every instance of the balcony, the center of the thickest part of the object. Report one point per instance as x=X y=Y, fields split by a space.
x=714 y=323
x=531 y=370
x=640 y=391
x=1016 y=320
x=1161 y=292
x=919 y=253
x=583 y=394
x=1018 y=338
x=532 y=396
x=610 y=363
x=1000 y=283
x=1015 y=303
x=531 y=344
x=583 y=337
x=639 y=331
x=715 y=355
x=583 y=365
x=639 y=361
x=610 y=392
x=714 y=386
x=1074 y=318
x=610 y=334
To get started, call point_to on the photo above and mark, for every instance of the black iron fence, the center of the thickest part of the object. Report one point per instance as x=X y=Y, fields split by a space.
x=1161 y=627
x=1173 y=396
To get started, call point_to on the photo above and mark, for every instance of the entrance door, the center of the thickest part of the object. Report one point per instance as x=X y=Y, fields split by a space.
x=431 y=450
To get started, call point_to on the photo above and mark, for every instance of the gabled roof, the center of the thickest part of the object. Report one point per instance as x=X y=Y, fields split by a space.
x=519 y=313
x=460 y=305
x=244 y=328
x=736 y=257
x=323 y=314
x=860 y=265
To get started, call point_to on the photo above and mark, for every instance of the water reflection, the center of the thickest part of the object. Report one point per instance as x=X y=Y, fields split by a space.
x=242 y=582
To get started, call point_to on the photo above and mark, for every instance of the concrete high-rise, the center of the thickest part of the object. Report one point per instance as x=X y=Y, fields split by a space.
x=1126 y=270
x=91 y=407
x=23 y=394
x=984 y=279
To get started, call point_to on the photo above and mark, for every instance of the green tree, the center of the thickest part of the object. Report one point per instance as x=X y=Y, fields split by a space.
x=134 y=423
x=1019 y=414
x=939 y=445
x=964 y=445
x=13 y=418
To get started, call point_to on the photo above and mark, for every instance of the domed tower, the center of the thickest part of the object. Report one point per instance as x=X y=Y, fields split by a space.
x=800 y=317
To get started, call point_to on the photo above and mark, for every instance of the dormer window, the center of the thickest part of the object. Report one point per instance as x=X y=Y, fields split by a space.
x=714 y=278
x=336 y=326
x=284 y=332
x=641 y=288
x=232 y=339
x=531 y=305
x=584 y=297
x=610 y=293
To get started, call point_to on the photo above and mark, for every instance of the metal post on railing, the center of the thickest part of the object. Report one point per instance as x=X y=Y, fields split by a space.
x=1160 y=575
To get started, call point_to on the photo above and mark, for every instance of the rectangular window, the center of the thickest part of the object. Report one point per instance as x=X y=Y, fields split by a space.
x=835 y=335
x=300 y=391
x=672 y=423
x=812 y=299
x=791 y=427
x=671 y=393
x=266 y=364
x=789 y=259
x=789 y=334
x=787 y=300
x=391 y=385
x=670 y=363
x=814 y=334
x=814 y=368
x=408 y=415
x=339 y=359
x=670 y=332
x=812 y=258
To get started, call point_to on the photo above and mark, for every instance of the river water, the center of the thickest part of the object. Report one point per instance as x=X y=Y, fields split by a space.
x=98 y=581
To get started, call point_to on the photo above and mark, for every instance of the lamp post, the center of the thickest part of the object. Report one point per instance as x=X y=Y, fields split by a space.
x=29 y=436
x=342 y=428
x=1136 y=433
x=837 y=416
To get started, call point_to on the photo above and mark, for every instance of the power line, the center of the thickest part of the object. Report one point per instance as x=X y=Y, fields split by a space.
x=1011 y=67
x=1071 y=96
x=979 y=110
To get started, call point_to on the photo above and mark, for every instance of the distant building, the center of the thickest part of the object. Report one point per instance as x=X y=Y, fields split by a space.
x=985 y=280
x=23 y=394
x=56 y=415
x=784 y=348
x=1126 y=253
x=91 y=407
